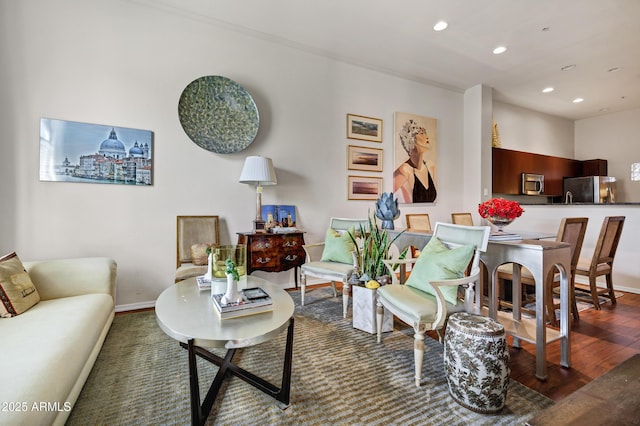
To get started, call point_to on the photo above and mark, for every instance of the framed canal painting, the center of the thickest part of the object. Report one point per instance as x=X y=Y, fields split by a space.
x=93 y=153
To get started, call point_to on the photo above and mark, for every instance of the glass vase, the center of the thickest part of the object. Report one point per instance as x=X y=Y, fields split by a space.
x=220 y=254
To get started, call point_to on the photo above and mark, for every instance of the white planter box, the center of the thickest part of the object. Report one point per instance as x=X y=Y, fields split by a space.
x=364 y=311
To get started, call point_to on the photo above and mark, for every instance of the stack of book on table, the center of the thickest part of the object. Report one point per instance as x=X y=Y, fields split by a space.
x=203 y=283
x=504 y=236
x=254 y=301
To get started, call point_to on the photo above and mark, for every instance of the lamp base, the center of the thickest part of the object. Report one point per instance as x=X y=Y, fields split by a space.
x=259 y=226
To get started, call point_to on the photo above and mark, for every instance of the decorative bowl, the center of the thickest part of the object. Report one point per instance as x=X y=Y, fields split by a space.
x=499 y=222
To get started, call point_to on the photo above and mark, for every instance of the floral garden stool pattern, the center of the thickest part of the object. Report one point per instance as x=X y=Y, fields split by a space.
x=476 y=362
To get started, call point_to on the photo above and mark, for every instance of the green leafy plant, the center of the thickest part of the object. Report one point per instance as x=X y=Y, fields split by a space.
x=231 y=269
x=373 y=249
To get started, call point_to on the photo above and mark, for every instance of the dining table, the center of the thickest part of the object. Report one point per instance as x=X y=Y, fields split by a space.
x=540 y=255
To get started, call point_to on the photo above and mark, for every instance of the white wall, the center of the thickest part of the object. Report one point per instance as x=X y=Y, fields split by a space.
x=125 y=64
x=614 y=137
x=522 y=129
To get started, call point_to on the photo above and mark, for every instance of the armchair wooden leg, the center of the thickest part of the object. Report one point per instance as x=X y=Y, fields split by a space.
x=345 y=298
x=612 y=295
x=333 y=286
x=418 y=353
x=594 y=292
x=379 y=319
x=574 y=304
x=303 y=286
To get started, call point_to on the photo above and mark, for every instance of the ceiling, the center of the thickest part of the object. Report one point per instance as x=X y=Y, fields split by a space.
x=397 y=37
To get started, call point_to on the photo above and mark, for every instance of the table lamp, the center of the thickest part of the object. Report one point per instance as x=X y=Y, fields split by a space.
x=258 y=171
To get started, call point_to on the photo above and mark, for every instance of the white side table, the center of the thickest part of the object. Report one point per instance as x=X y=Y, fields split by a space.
x=187 y=315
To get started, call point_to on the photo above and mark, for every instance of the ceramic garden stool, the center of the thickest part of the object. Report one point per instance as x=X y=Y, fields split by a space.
x=476 y=362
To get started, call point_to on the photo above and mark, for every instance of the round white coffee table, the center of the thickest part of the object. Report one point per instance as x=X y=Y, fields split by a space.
x=187 y=315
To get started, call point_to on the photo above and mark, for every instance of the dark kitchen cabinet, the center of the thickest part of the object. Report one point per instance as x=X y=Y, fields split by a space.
x=594 y=168
x=508 y=165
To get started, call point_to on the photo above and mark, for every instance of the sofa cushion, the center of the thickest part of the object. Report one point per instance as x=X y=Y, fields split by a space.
x=17 y=292
x=337 y=269
x=49 y=351
x=338 y=247
x=421 y=307
x=436 y=263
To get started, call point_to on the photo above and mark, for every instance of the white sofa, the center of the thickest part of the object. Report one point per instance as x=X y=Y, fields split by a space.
x=47 y=352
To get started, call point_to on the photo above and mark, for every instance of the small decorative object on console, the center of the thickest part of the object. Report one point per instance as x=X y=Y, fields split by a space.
x=387 y=209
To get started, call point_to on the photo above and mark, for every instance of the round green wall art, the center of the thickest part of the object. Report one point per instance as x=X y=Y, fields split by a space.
x=218 y=114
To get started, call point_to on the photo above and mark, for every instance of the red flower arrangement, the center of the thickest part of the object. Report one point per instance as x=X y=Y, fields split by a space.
x=499 y=207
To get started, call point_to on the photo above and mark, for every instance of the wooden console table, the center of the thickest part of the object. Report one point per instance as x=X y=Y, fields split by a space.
x=273 y=252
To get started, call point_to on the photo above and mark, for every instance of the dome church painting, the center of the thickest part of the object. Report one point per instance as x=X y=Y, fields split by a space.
x=92 y=153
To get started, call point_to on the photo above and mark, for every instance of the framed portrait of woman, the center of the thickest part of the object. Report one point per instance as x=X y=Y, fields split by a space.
x=415 y=157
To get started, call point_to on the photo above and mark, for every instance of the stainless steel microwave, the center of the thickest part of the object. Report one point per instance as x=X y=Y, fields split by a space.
x=532 y=184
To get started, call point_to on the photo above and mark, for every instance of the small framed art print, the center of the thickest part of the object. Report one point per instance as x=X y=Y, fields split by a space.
x=364 y=158
x=364 y=187
x=364 y=128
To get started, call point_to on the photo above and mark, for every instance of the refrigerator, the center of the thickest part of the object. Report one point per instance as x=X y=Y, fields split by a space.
x=589 y=189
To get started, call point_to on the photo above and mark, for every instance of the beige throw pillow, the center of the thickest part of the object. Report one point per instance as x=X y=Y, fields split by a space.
x=199 y=254
x=17 y=292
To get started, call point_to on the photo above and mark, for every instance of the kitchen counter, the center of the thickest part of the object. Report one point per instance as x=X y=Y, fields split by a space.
x=635 y=203
x=537 y=200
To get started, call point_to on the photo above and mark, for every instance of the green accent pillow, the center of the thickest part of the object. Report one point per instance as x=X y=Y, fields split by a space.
x=438 y=262
x=338 y=247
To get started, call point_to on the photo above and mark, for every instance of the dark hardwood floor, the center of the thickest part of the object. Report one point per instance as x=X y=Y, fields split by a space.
x=599 y=341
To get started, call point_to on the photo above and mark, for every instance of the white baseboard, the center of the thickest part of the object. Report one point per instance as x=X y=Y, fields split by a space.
x=135 y=306
x=615 y=287
x=152 y=303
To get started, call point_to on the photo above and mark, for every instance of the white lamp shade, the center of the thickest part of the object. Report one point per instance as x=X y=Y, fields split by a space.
x=258 y=171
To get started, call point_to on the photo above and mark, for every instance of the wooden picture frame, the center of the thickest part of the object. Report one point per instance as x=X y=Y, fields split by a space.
x=364 y=158
x=364 y=187
x=364 y=128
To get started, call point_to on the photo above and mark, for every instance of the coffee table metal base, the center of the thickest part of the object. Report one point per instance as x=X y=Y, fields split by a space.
x=199 y=413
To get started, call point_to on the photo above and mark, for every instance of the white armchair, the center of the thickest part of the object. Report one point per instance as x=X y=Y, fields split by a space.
x=444 y=263
x=330 y=271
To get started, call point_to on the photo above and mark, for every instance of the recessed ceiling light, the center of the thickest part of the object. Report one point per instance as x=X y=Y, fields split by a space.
x=547 y=90
x=577 y=100
x=568 y=67
x=440 y=25
x=500 y=49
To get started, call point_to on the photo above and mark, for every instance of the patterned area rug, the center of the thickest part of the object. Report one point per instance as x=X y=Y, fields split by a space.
x=341 y=376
